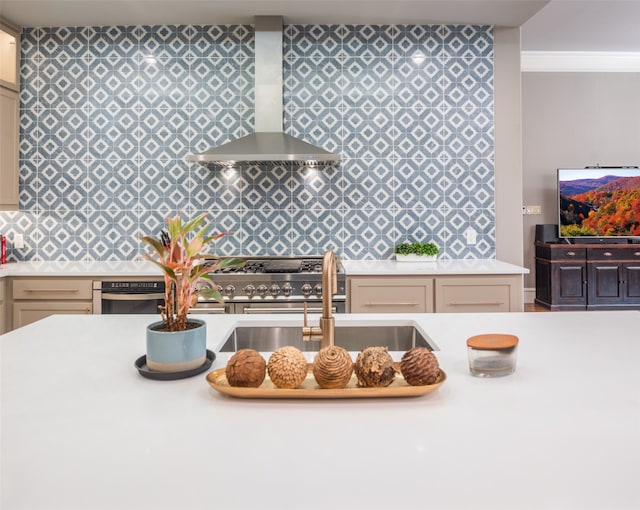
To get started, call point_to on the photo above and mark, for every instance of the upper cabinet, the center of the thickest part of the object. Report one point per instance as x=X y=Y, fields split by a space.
x=9 y=55
x=9 y=114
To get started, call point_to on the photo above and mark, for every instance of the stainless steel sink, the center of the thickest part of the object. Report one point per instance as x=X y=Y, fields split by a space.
x=352 y=338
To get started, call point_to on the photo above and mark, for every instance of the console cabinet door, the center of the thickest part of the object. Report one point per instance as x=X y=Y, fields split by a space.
x=605 y=284
x=631 y=278
x=569 y=286
x=561 y=275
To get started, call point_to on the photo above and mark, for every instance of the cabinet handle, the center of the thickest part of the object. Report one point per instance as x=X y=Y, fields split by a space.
x=463 y=303
x=392 y=304
x=637 y=253
x=571 y=254
x=607 y=254
x=51 y=290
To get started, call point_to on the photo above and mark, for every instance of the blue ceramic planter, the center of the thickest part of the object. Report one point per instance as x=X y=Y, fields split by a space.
x=176 y=351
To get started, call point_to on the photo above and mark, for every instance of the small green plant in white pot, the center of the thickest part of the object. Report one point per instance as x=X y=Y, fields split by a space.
x=416 y=252
x=178 y=342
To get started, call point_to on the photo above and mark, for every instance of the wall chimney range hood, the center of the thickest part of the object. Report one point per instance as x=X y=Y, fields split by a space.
x=269 y=145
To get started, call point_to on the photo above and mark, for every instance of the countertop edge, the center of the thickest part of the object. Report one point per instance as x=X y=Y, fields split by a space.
x=143 y=268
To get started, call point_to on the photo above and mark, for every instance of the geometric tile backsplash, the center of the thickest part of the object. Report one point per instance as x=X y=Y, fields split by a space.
x=105 y=130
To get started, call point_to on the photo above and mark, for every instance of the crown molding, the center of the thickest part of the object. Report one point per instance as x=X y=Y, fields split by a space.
x=580 y=61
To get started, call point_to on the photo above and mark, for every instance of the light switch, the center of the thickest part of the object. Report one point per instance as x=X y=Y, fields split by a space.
x=471 y=236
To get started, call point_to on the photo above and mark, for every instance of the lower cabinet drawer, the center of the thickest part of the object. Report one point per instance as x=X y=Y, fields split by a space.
x=391 y=295
x=611 y=255
x=476 y=294
x=62 y=289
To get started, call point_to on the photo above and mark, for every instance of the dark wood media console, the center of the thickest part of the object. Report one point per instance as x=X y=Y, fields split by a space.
x=588 y=276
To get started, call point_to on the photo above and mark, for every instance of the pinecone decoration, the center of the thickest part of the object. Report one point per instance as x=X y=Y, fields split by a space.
x=419 y=366
x=374 y=367
x=246 y=369
x=287 y=367
x=332 y=367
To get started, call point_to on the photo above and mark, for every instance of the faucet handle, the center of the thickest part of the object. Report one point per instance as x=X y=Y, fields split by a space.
x=309 y=332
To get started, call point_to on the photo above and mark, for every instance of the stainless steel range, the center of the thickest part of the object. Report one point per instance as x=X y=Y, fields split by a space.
x=271 y=285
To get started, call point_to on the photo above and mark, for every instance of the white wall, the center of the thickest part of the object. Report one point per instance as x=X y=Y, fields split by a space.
x=508 y=141
x=573 y=119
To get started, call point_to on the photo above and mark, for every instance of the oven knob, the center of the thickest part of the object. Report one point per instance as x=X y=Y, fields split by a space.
x=203 y=284
x=306 y=289
x=275 y=290
x=229 y=290
x=250 y=290
x=262 y=290
x=318 y=289
x=286 y=289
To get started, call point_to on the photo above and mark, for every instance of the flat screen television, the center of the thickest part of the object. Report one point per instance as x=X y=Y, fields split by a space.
x=599 y=202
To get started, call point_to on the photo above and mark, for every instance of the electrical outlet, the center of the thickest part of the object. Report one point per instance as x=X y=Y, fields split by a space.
x=18 y=241
x=471 y=236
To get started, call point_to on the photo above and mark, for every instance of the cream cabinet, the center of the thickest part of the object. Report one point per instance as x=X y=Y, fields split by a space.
x=9 y=114
x=391 y=294
x=36 y=298
x=9 y=55
x=435 y=293
x=9 y=133
x=3 y=308
x=479 y=293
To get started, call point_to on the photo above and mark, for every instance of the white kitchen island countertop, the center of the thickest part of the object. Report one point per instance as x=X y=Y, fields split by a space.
x=81 y=429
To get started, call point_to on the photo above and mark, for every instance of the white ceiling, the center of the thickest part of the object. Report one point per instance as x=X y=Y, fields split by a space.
x=148 y=12
x=584 y=25
x=556 y=25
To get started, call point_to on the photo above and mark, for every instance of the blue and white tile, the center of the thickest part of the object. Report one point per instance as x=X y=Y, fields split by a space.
x=83 y=120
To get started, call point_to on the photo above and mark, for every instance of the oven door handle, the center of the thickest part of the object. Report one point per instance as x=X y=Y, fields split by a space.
x=208 y=310
x=274 y=309
x=130 y=297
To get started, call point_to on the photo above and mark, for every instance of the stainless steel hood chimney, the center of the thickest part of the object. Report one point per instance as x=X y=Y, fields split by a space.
x=269 y=144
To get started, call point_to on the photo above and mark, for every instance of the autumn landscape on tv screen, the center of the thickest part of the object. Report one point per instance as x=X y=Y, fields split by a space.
x=599 y=204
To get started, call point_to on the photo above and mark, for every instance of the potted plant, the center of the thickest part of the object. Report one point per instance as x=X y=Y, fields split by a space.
x=416 y=252
x=178 y=343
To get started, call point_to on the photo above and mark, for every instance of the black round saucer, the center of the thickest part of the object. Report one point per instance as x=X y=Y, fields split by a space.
x=141 y=365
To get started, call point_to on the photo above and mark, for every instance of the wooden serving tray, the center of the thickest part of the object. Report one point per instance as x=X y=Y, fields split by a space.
x=310 y=389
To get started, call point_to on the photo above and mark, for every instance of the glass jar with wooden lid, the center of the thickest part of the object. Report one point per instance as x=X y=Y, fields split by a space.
x=492 y=354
